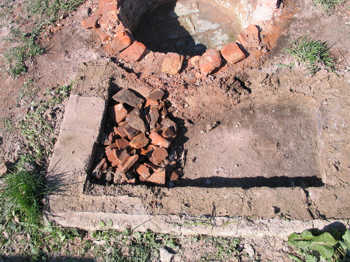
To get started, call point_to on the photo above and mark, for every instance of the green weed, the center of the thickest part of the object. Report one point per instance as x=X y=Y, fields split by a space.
x=225 y=249
x=314 y=53
x=320 y=246
x=328 y=5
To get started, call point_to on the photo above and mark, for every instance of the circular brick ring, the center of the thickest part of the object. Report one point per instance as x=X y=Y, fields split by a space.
x=115 y=20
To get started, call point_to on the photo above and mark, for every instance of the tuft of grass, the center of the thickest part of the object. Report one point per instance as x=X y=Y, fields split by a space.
x=22 y=192
x=314 y=53
x=328 y=5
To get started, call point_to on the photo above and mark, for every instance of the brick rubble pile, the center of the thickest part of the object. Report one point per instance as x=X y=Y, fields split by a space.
x=137 y=150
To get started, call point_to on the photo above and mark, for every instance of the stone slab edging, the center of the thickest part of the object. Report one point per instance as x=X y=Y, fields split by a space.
x=173 y=224
x=69 y=206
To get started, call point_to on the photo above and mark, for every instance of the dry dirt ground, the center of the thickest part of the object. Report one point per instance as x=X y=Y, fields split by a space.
x=322 y=103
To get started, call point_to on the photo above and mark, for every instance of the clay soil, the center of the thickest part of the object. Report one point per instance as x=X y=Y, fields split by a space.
x=231 y=100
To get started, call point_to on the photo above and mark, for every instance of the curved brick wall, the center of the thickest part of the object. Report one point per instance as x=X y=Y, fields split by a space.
x=115 y=20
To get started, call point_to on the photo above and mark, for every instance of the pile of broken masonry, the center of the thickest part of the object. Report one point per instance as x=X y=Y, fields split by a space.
x=137 y=148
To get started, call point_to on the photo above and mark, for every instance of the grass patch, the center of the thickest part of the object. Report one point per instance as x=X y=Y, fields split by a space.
x=22 y=193
x=38 y=14
x=328 y=5
x=313 y=53
x=49 y=11
x=26 y=48
x=36 y=128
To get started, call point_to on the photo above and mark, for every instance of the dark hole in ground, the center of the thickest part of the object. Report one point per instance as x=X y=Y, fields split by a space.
x=186 y=27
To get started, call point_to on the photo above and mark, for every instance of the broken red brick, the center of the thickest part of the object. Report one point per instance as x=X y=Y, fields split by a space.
x=121 y=143
x=127 y=164
x=135 y=121
x=209 y=61
x=232 y=53
x=112 y=156
x=139 y=141
x=121 y=41
x=90 y=22
x=158 y=155
x=109 y=140
x=172 y=63
x=108 y=19
x=249 y=37
x=143 y=171
x=107 y=5
x=120 y=113
x=102 y=35
x=134 y=52
x=158 y=140
x=153 y=117
x=129 y=131
x=174 y=176
x=145 y=151
x=120 y=131
x=158 y=177
x=169 y=132
x=123 y=156
x=194 y=61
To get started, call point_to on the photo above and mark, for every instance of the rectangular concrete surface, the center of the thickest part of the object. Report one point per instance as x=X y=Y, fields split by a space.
x=74 y=204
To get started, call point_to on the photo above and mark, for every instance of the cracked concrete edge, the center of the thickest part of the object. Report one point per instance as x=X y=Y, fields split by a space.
x=173 y=224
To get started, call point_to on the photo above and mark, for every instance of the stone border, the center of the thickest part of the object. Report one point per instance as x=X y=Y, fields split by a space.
x=114 y=29
x=69 y=206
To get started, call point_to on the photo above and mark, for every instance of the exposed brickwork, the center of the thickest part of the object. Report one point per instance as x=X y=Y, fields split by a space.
x=111 y=26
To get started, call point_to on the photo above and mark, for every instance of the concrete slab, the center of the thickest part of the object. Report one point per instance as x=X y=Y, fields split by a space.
x=234 y=211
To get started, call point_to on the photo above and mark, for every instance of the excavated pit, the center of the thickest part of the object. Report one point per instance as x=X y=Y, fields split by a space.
x=188 y=27
x=162 y=36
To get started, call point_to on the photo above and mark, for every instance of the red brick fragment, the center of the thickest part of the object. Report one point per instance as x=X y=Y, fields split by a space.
x=112 y=156
x=107 y=5
x=143 y=171
x=120 y=113
x=174 y=176
x=90 y=22
x=145 y=151
x=121 y=41
x=108 y=19
x=232 y=53
x=169 y=132
x=139 y=141
x=134 y=52
x=158 y=140
x=130 y=132
x=249 y=37
x=127 y=164
x=121 y=143
x=172 y=63
x=120 y=131
x=158 y=177
x=123 y=156
x=194 y=61
x=209 y=61
x=102 y=35
x=158 y=155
